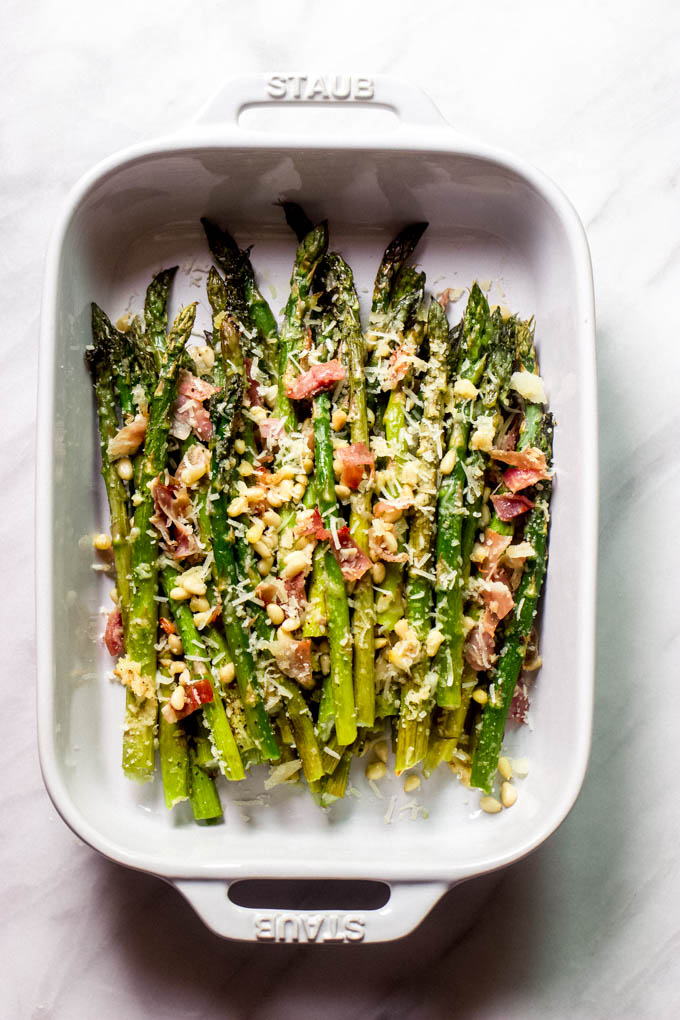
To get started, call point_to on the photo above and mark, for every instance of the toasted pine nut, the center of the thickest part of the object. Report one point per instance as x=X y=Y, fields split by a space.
x=433 y=642
x=274 y=498
x=307 y=465
x=271 y=518
x=382 y=751
x=255 y=532
x=343 y=491
x=125 y=469
x=448 y=463
x=390 y=541
x=508 y=794
x=177 y=698
x=237 y=506
x=264 y=566
x=505 y=768
x=401 y=628
x=227 y=673
x=339 y=419
x=102 y=542
x=411 y=783
x=290 y=624
x=262 y=549
x=240 y=447
x=179 y=594
x=175 y=644
x=490 y=805
x=199 y=604
x=275 y=613
x=246 y=469
x=380 y=642
x=295 y=564
x=378 y=572
x=376 y=770
x=194 y=585
x=258 y=414
x=480 y=696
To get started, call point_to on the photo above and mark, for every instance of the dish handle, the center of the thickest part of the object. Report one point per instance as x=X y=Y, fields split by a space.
x=412 y=107
x=409 y=904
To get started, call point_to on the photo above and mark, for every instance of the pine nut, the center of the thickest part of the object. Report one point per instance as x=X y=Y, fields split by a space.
x=194 y=585
x=378 y=572
x=382 y=751
x=325 y=663
x=480 y=696
x=411 y=783
x=255 y=532
x=185 y=677
x=271 y=518
x=390 y=541
x=291 y=624
x=246 y=469
x=258 y=414
x=179 y=594
x=199 y=604
x=237 y=506
x=125 y=469
x=255 y=494
x=343 y=491
x=102 y=542
x=339 y=420
x=448 y=463
x=505 y=768
x=380 y=642
x=295 y=564
x=401 y=628
x=227 y=673
x=264 y=566
x=240 y=447
x=508 y=794
x=175 y=668
x=175 y=644
x=262 y=549
x=298 y=491
x=376 y=770
x=274 y=498
x=433 y=642
x=177 y=699
x=490 y=805
x=307 y=465
x=275 y=613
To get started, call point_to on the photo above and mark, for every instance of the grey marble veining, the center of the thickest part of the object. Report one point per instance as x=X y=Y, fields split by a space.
x=589 y=925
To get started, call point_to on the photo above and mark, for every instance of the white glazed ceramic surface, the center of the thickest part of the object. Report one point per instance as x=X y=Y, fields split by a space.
x=491 y=218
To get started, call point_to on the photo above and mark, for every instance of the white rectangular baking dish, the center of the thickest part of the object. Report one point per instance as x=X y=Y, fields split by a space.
x=491 y=217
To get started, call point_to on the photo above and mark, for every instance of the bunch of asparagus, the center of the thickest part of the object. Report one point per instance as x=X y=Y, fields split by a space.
x=317 y=529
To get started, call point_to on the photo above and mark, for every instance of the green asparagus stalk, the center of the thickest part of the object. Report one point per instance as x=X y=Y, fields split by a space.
x=511 y=658
x=197 y=657
x=174 y=756
x=205 y=801
x=451 y=506
x=417 y=696
x=156 y=311
x=141 y=703
x=99 y=361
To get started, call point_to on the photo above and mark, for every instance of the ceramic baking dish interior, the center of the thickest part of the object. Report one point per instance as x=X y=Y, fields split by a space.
x=490 y=219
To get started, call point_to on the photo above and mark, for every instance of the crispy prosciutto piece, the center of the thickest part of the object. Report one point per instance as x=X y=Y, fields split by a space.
x=172 y=503
x=129 y=439
x=509 y=506
x=196 y=389
x=272 y=430
x=517 y=479
x=296 y=601
x=494 y=546
x=508 y=441
x=354 y=459
x=385 y=507
x=529 y=459
x=113 y=635
x=196 y=694
x=497 y=596
x=316 y=379
x=352 y=561
x=188 y=413
x=519 y=706
x=253 y=389
x=480 y=645
x=294 y=659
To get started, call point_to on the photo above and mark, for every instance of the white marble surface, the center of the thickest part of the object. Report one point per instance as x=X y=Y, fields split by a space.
x=589 y=925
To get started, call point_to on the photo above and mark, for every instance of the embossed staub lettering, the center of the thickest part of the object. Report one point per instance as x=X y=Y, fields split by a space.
x=316 y=88
x=291 y=927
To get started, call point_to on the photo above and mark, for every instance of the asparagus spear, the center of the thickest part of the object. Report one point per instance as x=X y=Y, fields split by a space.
x=174 y=756
x=99 y=362
x=451 y=507
x=156 y=311
x=511 y=658
x=141 y=702
x=417 y=699
x=363 y=617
